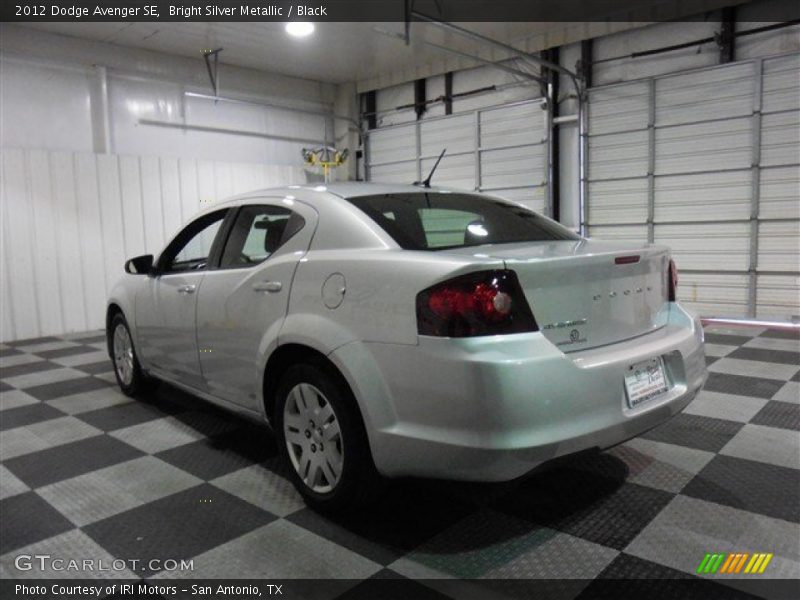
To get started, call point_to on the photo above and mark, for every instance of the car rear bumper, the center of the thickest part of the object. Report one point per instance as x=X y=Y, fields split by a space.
x=494 y=408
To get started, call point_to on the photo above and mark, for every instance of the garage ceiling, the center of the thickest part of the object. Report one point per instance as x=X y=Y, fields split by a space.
x=336 y=53
x=344 y=52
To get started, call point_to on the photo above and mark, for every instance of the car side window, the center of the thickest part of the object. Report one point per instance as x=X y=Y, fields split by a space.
x=259 y=230
x=190 y=250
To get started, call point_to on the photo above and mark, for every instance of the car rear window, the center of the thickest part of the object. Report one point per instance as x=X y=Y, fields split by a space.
x=438 y=221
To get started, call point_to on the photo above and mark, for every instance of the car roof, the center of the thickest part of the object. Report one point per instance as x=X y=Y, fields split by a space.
x=343 y=189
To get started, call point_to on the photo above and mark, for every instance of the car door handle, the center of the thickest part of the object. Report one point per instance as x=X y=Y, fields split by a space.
x=267 y=286
x=187 y=289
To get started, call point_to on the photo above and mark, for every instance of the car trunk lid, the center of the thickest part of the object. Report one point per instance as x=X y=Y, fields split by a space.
x=589 y=293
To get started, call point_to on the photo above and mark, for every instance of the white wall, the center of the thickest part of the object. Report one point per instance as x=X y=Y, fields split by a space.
x=85 y=185
x=71 y=219
x=52 y=97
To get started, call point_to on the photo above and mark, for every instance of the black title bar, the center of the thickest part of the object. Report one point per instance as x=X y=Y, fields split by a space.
x=381 y=10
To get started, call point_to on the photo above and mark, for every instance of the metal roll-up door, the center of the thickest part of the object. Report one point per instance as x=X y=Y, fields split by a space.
x=457 y=134
x=707 y=163
x=501 y=150
x=513 y=153
x=778 y=248
x=392 y=154
x=618 y=161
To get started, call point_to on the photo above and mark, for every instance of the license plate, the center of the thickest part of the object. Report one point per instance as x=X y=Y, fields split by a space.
x=645 y=380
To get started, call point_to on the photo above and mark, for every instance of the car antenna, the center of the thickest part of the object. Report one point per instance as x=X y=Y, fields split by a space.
x=427 y=181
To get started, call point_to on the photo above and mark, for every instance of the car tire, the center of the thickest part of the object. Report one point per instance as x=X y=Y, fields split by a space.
x=330 y=407
x=127 y=370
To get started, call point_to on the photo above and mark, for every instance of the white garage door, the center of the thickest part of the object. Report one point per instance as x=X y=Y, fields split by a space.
x=707 y=162
x=499 y=150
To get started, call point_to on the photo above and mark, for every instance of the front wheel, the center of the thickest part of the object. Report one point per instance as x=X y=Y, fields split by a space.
x=127 y=370
x=323 y=440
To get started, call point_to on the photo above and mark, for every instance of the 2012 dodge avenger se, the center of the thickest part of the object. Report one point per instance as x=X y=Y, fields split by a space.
x=388 y=330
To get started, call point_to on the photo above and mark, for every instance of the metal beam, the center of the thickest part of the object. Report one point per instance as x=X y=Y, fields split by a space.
x=726 y=40
x=419 y=97
x=243 y=132
x=651 y=160
x=212 y=73
x=277 y=106
x=585 y=64
x=553 y=151
x=371 y=102
x=496 y=65
x=755 y=194
x=487 y=40
x=448 y=93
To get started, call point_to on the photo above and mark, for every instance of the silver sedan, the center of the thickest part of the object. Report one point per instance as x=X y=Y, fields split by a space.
x=387 y=331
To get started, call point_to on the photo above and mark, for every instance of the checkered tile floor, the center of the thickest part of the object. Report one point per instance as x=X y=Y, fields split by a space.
x=87 y=472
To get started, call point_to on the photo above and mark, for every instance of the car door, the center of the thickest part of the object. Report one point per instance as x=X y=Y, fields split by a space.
x=166 y=305
x=244 y=299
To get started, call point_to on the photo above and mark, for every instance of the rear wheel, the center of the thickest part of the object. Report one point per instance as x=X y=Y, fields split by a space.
x=127 y=370
x=323 y=440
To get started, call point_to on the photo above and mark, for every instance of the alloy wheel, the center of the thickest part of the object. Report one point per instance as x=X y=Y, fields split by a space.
x=313 y=438
x=123 y=354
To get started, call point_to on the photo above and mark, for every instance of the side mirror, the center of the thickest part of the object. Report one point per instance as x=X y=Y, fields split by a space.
x=140 y=265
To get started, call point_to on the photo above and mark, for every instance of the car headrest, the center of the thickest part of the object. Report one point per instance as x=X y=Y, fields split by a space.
x=273 y=234
x=476 y=234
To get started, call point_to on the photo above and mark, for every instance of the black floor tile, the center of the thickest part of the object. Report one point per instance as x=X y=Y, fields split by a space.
x=50 y=391
x=62 y=352
x=389 y=585
x=742 y=386
x=783 y=415
x=781 y=357
x=725 y=339
x=25 y=369
x=95 y=368
x=27 y=518
x=632 y=577
x=594 y=505
x=182 y=525
x=406 y=516
x=123 y=415
x=10 y=352
x=710 y=360
x=92 y=339
x=70 y=460
x=626 y=566
x=781 y=334
x=27 y=415
x=796 y=376
x=748 y=485
x=219 y=455
x=32 y=341
x=694 y=431
x=4 y=387
x=210 y=421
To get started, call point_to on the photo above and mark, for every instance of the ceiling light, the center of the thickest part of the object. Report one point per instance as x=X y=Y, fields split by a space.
x=299 y=28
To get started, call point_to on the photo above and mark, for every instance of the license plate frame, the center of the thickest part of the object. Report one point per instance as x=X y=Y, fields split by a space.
x=645 y=381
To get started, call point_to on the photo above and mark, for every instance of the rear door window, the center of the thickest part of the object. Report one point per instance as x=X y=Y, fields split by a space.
x=259 y=230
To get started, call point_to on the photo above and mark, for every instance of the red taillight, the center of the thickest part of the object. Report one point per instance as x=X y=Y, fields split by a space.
x=483 y=303
x=673 y=281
